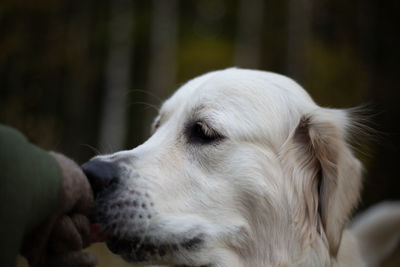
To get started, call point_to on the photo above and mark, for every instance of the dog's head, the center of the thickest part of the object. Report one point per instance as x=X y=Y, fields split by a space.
x=242 y=166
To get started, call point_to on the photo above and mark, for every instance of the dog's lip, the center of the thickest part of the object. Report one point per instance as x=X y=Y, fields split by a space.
x=120 y=246
x=97 y=233
x=135 y=250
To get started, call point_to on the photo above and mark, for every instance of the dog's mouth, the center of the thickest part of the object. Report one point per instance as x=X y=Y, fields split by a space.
x=122 y=220
x=133 y=249
x=97 y=233
x=130 y=226
x=139 y=249
x=136 y=250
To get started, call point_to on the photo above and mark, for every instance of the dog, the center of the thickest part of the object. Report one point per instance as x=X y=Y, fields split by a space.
x=242 y=169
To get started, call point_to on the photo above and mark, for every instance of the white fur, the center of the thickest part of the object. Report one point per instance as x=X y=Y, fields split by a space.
x=277 y=190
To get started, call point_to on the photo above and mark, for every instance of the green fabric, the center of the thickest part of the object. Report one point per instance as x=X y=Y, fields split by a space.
x=30 y=181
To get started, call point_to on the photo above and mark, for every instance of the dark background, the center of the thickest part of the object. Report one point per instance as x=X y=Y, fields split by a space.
x=83 y=76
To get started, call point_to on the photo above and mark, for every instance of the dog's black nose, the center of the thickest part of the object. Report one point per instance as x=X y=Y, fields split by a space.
x=101 y=174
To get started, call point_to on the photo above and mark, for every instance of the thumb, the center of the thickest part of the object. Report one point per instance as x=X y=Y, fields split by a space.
x=76 y=192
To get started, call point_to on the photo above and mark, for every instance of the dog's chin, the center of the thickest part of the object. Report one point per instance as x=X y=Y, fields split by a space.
x=135 y=249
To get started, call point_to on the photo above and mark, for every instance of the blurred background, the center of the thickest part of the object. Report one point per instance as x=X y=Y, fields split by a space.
x=86 y=77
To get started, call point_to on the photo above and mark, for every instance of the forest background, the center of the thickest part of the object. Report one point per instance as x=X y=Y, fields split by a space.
x=86 y=76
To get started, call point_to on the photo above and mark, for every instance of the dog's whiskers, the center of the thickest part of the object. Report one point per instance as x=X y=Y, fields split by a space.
x=147 y=93
x=148 y=105
x=95 y=150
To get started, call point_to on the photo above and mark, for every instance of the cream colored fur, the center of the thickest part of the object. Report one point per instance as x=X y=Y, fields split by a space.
x=276 y=189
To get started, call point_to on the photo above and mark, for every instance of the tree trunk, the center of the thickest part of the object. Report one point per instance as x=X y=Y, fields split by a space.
x=299 y=35
x=250 y=33
x=78 y=87
x=113 y=124
x=163 y=50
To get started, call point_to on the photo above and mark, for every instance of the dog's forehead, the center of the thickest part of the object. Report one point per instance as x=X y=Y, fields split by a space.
x=241 y=104
x=240 y=93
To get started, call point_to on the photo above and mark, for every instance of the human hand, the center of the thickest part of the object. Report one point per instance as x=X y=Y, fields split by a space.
x=60 y=239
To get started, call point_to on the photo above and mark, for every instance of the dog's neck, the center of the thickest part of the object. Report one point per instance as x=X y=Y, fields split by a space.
x=281 y=244
x=315 y=254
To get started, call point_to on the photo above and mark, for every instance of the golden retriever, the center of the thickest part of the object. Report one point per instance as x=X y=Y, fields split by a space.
x=242 y=169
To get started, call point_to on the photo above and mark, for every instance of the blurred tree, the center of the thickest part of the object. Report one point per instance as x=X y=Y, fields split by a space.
x=207 y=37
x=115 y=104
x=66 y=67
x=298 y=38
x=250 y=25
x=76 y=89
x=379 y=39
x=163 y=52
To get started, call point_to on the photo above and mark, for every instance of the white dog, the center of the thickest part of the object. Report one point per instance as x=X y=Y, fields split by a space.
x=242 y=169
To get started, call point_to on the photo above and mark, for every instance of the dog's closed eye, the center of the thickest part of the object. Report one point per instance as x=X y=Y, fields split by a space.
x=200 y=133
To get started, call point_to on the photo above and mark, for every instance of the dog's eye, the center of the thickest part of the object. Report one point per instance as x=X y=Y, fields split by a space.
x=202 y=133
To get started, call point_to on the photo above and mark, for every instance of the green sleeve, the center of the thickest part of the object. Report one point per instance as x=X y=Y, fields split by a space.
x=30 y=181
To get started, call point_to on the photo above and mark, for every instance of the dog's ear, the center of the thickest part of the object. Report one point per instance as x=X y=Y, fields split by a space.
x=331 y=173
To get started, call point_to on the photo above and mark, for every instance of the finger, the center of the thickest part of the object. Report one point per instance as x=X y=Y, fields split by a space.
x=85 y=202
x=76 y=191
x=72 y=259
x=82 y=224
x=65 y=236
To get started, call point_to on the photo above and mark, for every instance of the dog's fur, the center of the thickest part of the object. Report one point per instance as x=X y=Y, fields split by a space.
x=242 y=169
